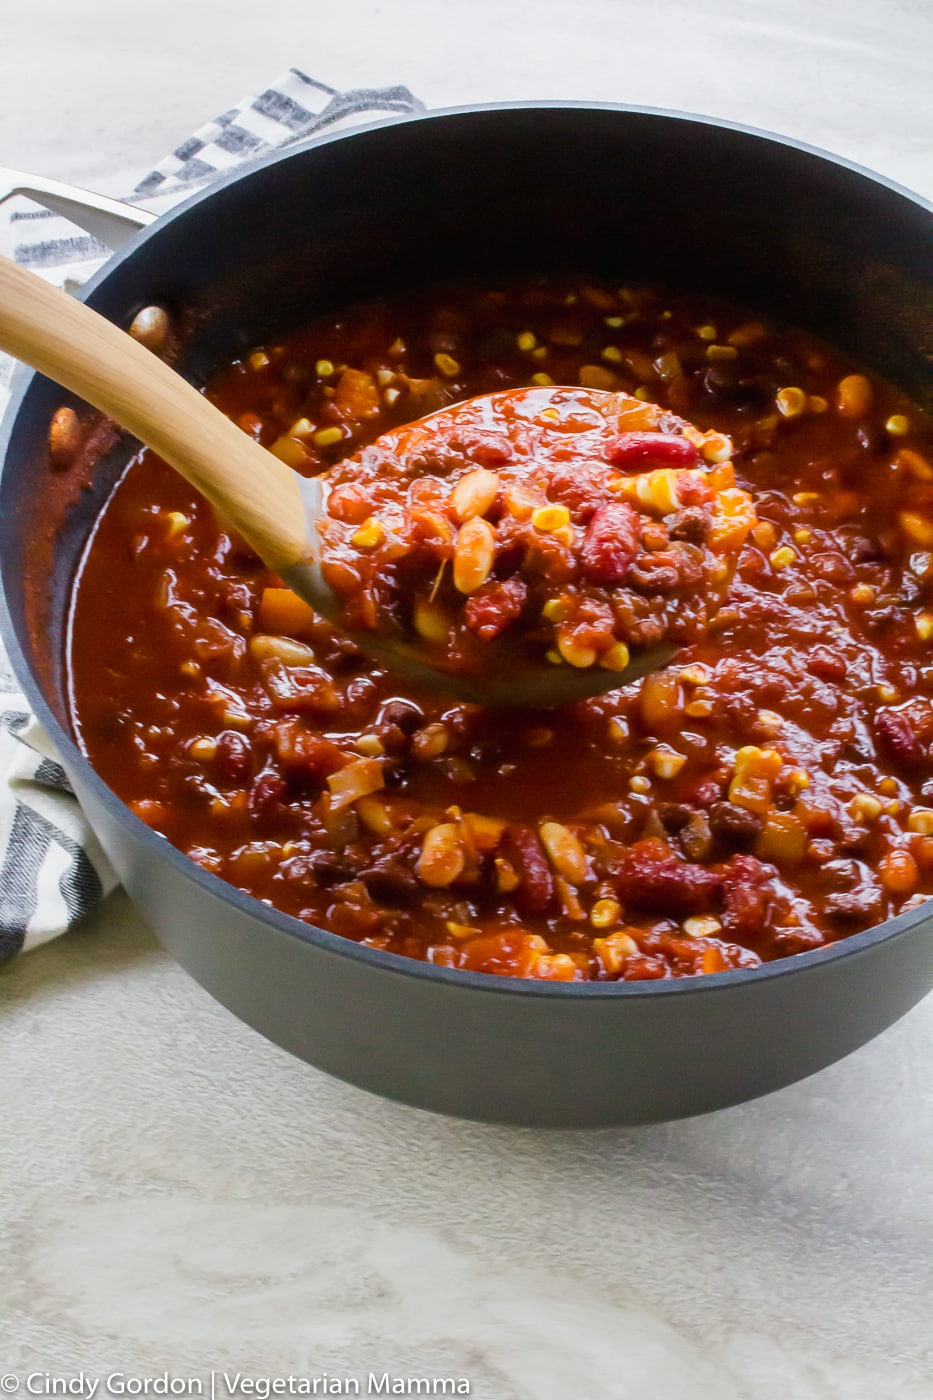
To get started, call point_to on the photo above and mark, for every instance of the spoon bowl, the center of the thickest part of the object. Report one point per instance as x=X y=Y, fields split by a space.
x=278 y=512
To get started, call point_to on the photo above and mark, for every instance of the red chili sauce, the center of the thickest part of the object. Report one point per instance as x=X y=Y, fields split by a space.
x=763 y=796
x=533 y=528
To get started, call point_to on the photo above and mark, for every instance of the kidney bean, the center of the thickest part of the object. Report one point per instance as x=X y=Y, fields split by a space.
x=898 y=740
x=747 y=899
x=611 y=543
x=651 y=877
x=234 y=758
x=579 y=487
x=266 y=796
x=522 y=849
x=659 y=449
x=492 y=608
x=826 y=664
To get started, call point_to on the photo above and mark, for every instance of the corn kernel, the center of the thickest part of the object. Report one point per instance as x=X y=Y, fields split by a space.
x=554 y=657
x=328 y=437
x=615 y=658
x=817 y=404
x=921 y=821
x=605 y=913
x=557 y=609
x=923 y=623
x=780 y=558
x=888 y=786
x=550 y=415
x=864 y=807
x=749 y=333
x=177 y=523
x=392 y=396
x=541 y=379
x=549 y=518
x=887 y=693
x=370 y=534
x=203 y=750
x=642 y=393
x=717 y=448
x=862 y=594
x=805 y=498
x=802 y=536
x=613 y=354
x=573 y=653
x=706 y=332
x=526 y=340
x=639 y=784
x=507 y=878
x=702 y=926
x=258 y=360
x=539 y=352
x=665 y=762
x=384 y=377
x=301 y=428
x=721 y=352
x=917 y=528
x=448 y=366
x=613 y=951
x=790 y=403
x=854 y=396
x=897 y=425
x=617 y=729
x=431 y=621
x=324 y=369
x=369 y=745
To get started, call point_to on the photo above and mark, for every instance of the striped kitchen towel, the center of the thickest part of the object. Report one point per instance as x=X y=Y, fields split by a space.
x=52 y=869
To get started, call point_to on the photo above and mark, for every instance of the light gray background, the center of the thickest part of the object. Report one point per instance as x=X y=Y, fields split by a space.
x=174 y=1192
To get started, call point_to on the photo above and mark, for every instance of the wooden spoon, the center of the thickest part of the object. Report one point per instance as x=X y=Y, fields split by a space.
x=273 y=508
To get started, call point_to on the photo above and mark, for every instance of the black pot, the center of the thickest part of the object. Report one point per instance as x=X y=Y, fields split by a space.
x=606 y=190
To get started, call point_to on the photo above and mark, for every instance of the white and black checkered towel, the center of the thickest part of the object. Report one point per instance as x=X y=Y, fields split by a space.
x=52 y=869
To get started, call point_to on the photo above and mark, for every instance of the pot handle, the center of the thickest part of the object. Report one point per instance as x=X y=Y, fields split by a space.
x=110 y=220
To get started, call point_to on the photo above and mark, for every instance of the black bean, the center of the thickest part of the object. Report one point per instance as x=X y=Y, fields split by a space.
x=733 y=825
x=402 y=713
x=390 y=882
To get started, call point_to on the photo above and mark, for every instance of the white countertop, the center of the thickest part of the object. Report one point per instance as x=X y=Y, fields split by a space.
x=176 y=1194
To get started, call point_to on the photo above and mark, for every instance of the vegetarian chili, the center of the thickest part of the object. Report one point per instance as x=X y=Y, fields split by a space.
x=768 y=793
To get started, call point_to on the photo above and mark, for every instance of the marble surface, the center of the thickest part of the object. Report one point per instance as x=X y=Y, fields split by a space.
x=176 y=1194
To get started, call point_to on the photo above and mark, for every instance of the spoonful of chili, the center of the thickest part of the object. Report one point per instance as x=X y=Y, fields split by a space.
x=527 y=548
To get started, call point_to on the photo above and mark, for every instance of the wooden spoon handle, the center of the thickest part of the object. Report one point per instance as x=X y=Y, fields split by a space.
x=66 y=340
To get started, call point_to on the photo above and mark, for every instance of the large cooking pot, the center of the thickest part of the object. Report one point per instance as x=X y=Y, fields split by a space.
x=608 y=190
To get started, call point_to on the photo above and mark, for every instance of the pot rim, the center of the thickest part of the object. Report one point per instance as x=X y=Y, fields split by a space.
x=798 y=964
